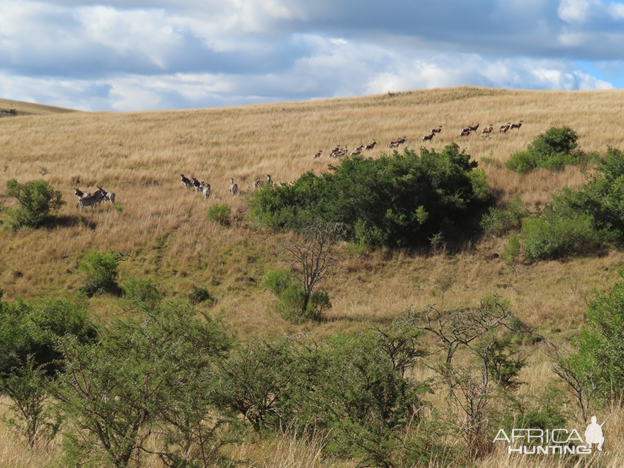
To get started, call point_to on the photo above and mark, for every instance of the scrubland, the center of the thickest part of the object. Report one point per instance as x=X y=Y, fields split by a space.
x=161 y=226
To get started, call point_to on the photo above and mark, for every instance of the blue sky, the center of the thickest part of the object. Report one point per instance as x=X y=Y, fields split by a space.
x=125 y=55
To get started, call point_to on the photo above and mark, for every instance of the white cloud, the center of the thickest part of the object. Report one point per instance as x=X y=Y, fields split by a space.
x=573 y=11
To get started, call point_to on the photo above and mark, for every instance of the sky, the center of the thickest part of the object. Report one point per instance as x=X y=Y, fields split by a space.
x=130 y=55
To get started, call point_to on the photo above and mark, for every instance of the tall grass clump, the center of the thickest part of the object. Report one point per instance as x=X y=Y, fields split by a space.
x=399 y=200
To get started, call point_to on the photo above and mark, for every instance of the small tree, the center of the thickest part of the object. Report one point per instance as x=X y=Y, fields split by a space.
x=36 y=198
x=157 y=375
x=314 y=255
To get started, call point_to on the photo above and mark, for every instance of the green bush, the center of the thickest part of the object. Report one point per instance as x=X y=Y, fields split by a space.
x=499 y=222
x=291 y=298
x=141 y=293
x=36 y=198
x=395 y=201
x=219 y=214
x=553 y=149
x=101 y=273
x=554 y=237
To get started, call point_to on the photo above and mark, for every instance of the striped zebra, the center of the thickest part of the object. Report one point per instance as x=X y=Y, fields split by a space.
x=233 y=186
x=258 y=184
x=88 y=201
x=108 y=196
x=206 y=191
x=187 y=182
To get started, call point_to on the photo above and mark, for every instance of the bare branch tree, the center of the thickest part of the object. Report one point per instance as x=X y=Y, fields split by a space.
x=314 y=253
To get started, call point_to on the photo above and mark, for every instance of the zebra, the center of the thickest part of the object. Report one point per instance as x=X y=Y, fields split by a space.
x=258 y=184
x=196 y=183
x=88 y=201
x=187 y=182
x=206 y=190
x=108 y=196
x=233 y=186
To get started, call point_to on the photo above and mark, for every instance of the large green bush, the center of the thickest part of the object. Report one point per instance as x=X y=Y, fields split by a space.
x=553 y=149
x=36 y=200
x=291 y=304
x=398 y=200
x=499 y=222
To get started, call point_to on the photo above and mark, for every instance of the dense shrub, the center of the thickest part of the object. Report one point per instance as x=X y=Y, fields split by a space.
x=101 y=273
x=499 y=222
x=553 y=149
x=219 y=214
x=398 y=200
x=554 y=237
x=36 y=198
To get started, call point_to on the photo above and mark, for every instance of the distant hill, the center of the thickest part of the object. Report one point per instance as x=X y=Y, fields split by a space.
x=10 y=108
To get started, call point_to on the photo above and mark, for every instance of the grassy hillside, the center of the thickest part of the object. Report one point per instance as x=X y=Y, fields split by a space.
x=9 y=108
x=162 y=230
x=140 y=156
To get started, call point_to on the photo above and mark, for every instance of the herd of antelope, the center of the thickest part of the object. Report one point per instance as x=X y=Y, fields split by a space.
x=88 y=199
x=338 y=151
x=204 y=188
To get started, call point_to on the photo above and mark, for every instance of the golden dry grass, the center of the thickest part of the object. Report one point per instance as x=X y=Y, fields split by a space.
x=162 y=229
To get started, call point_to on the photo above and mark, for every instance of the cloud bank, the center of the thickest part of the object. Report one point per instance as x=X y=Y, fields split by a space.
x=140 y=54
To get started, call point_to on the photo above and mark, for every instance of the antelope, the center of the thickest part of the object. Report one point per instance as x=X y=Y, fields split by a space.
x=428 y=137
x=233 y=186
x=187 y=182
x=317 y=155
x=393 y=144
x=504 y=128
x=258 y=184
x=437 y=130
x=516 y=125
x=464 y=132
x=401 y=140
x=371 y=146
x=359 y=148
x=473 y=129
x=206 y=191
x=488 y=129
x=356 y=152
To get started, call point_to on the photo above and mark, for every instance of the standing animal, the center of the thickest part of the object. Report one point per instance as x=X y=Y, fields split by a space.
x=488 y=129
x=79 y=193
x=108 y=196
x=371 y=146
x=393 y=144
x=504 y=128
x=516 y=125
x=233 y=186
x=473 y=129
x=317 y=155
x=187 y=182
x=428 y=137
x=464 y=132
x=401 y=140
x=88 y=201
x=258 y=184
x=196 y=183
x=356 y=152
x=206 y=191
x=438 y=129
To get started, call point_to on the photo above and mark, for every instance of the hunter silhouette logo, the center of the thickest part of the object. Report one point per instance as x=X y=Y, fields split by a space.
x=593 y=433
x=555 y=441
